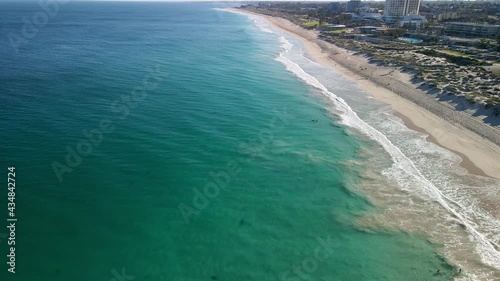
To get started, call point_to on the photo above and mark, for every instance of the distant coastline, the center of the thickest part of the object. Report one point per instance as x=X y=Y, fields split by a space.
x=476 y=142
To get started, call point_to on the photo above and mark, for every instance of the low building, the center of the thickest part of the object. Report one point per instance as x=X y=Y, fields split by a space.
x=369 y=18
x=467 y=29
x=412 y=21
x=346 y=17
x=333 y=27
x=446 y=16
x=436 y=30
x=396 y=32
x=366 y=9
x=457 y=41
x=366 y=29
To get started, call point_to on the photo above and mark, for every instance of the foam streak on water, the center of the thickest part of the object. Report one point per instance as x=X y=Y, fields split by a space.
x=481 y=226
x=350 y=118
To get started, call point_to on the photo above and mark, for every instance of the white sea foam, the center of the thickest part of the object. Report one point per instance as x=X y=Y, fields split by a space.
x=404 y=169
x=411 y=168
x=257 y=20
x=262 y=25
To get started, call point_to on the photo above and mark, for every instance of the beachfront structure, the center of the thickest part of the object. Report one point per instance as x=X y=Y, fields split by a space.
x=446 y=16
x=467 y=29
x=395 y=9
x=390 y=31
x=333 y=27
x=372 y=18
x=412 y=21
x=365 y=29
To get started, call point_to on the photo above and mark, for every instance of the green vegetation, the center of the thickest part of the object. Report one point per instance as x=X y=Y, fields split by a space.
x=471 y=98
x=336 y=32
x=459 y=75
x=455 y=53
x=493 y=100
x=310 y=24
x=483 y=44
x=459 y=60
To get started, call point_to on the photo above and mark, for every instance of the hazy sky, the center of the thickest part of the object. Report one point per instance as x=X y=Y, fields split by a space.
x=235 y=1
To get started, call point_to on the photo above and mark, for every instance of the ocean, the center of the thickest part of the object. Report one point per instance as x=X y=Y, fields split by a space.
x=178 y=141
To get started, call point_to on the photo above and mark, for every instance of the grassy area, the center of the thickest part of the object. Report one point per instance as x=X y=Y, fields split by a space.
x=310 y=24
x=336 y=31
x=459 y=60
x=455 y=53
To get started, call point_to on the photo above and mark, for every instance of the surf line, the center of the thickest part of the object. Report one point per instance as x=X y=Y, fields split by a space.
x=488 y=251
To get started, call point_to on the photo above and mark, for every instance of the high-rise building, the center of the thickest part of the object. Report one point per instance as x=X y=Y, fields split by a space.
x=353 y=5
x=399 y=8
x=334 y=7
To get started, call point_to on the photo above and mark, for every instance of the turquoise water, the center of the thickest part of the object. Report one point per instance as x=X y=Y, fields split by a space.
x=218 y=108
x=411 y=40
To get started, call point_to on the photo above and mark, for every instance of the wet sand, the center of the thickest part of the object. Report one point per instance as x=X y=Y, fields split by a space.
x=466 y=162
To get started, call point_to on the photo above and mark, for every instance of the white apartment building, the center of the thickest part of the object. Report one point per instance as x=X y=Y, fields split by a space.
x=395 y=9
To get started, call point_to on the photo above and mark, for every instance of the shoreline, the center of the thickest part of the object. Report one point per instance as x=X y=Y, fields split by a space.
x=466 y=162
x=479 y=155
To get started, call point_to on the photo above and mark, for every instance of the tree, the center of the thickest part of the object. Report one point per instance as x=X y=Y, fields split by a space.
x=483 y=44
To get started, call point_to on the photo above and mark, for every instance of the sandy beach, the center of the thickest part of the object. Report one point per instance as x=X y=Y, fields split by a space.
x=480 y=156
